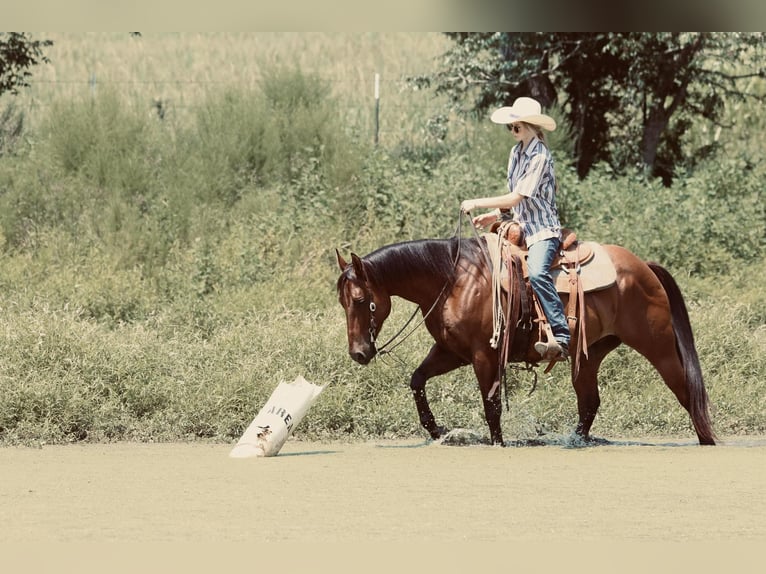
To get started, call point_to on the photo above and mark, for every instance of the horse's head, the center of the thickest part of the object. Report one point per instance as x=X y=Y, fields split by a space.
x=366 y=305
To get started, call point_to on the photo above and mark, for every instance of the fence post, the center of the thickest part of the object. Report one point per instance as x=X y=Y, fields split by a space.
x=377 y=107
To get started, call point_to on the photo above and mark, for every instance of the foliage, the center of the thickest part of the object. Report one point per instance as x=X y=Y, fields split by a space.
x=710 y=222
x=616 y=88
x=18 y=53
x=283 y=133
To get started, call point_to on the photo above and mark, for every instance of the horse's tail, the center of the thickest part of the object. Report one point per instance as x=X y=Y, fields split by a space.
x=698 y=398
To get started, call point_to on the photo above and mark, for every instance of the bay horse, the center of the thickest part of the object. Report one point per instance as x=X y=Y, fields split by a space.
x=451 y=282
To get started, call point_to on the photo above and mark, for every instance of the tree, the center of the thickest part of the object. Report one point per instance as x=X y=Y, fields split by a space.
x=18 y=53
x=627 y=96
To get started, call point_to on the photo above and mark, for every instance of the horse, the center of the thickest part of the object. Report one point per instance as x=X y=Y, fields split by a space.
x=450 y=280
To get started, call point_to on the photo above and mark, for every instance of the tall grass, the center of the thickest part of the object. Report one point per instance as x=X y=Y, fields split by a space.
x=160 y=275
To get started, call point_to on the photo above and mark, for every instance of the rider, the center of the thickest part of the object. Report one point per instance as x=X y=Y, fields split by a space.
x=532 y=197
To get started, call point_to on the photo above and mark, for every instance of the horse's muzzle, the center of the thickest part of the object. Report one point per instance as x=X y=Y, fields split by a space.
x=362 y=355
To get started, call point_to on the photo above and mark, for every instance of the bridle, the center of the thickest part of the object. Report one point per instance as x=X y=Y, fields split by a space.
x=373 y=326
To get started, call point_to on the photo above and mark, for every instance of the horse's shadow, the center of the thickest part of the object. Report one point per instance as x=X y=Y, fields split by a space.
x=308 y=453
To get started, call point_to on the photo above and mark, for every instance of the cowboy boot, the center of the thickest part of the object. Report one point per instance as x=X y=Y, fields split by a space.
x=552 y=350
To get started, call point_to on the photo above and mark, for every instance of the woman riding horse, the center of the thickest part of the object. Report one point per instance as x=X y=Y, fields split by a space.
x=532 y=197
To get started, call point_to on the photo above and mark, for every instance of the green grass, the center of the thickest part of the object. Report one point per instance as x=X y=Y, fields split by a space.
x=160 y=277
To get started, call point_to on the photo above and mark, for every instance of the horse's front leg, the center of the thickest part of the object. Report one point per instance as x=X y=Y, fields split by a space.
x=493 y=408
x=438 y=361
x=485 y=367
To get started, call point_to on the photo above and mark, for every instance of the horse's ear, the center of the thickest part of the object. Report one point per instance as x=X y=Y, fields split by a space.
x=358 y=265
x=341 y=262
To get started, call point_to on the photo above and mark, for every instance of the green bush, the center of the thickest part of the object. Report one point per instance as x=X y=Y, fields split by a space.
x=288 y=132
x=108 y=144
x=706 y=224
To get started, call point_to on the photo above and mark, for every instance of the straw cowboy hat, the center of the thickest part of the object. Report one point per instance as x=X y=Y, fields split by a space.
x=524 y=110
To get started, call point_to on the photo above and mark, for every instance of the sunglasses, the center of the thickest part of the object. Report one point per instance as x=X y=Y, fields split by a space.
x=515 y=128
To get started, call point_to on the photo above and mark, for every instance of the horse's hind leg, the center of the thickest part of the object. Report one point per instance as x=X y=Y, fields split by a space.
x=664 y=357
x=586 y=384
x=438 y=361
x=661 y=351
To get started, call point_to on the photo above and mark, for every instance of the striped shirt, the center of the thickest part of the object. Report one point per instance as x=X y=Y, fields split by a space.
x=531 y=174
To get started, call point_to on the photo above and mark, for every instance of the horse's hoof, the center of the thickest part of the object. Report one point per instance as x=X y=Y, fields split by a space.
x=463 y=437
x=577 y=440
x=438 y=432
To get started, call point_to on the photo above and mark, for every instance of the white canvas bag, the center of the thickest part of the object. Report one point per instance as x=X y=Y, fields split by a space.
x=276 y=420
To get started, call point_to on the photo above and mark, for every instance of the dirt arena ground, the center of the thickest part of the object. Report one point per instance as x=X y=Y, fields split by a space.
x=652 y=490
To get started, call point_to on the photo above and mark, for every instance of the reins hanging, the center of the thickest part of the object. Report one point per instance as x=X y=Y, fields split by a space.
x=382 y=349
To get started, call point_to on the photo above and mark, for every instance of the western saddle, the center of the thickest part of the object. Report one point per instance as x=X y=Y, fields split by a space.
x=522 y=310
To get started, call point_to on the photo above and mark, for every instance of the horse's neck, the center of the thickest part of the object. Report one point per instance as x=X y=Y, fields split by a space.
x=418 y=291
x=418 y=271
x=419 y=287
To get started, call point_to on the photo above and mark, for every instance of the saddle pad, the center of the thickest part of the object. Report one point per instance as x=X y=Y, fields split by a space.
x=597 y=273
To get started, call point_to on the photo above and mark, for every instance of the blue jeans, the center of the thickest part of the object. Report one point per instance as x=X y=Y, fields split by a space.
x=541 y=256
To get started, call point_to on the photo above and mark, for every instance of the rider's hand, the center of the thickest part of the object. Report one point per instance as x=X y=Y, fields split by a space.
x=467 y=206
x=485 y=219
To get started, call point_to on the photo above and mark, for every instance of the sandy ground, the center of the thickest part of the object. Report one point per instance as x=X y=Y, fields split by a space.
x=651 y=490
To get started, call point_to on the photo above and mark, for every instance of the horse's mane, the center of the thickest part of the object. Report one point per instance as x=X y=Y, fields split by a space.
x=435 y=257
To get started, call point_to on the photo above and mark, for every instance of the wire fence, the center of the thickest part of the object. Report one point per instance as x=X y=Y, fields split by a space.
x=374 y=106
